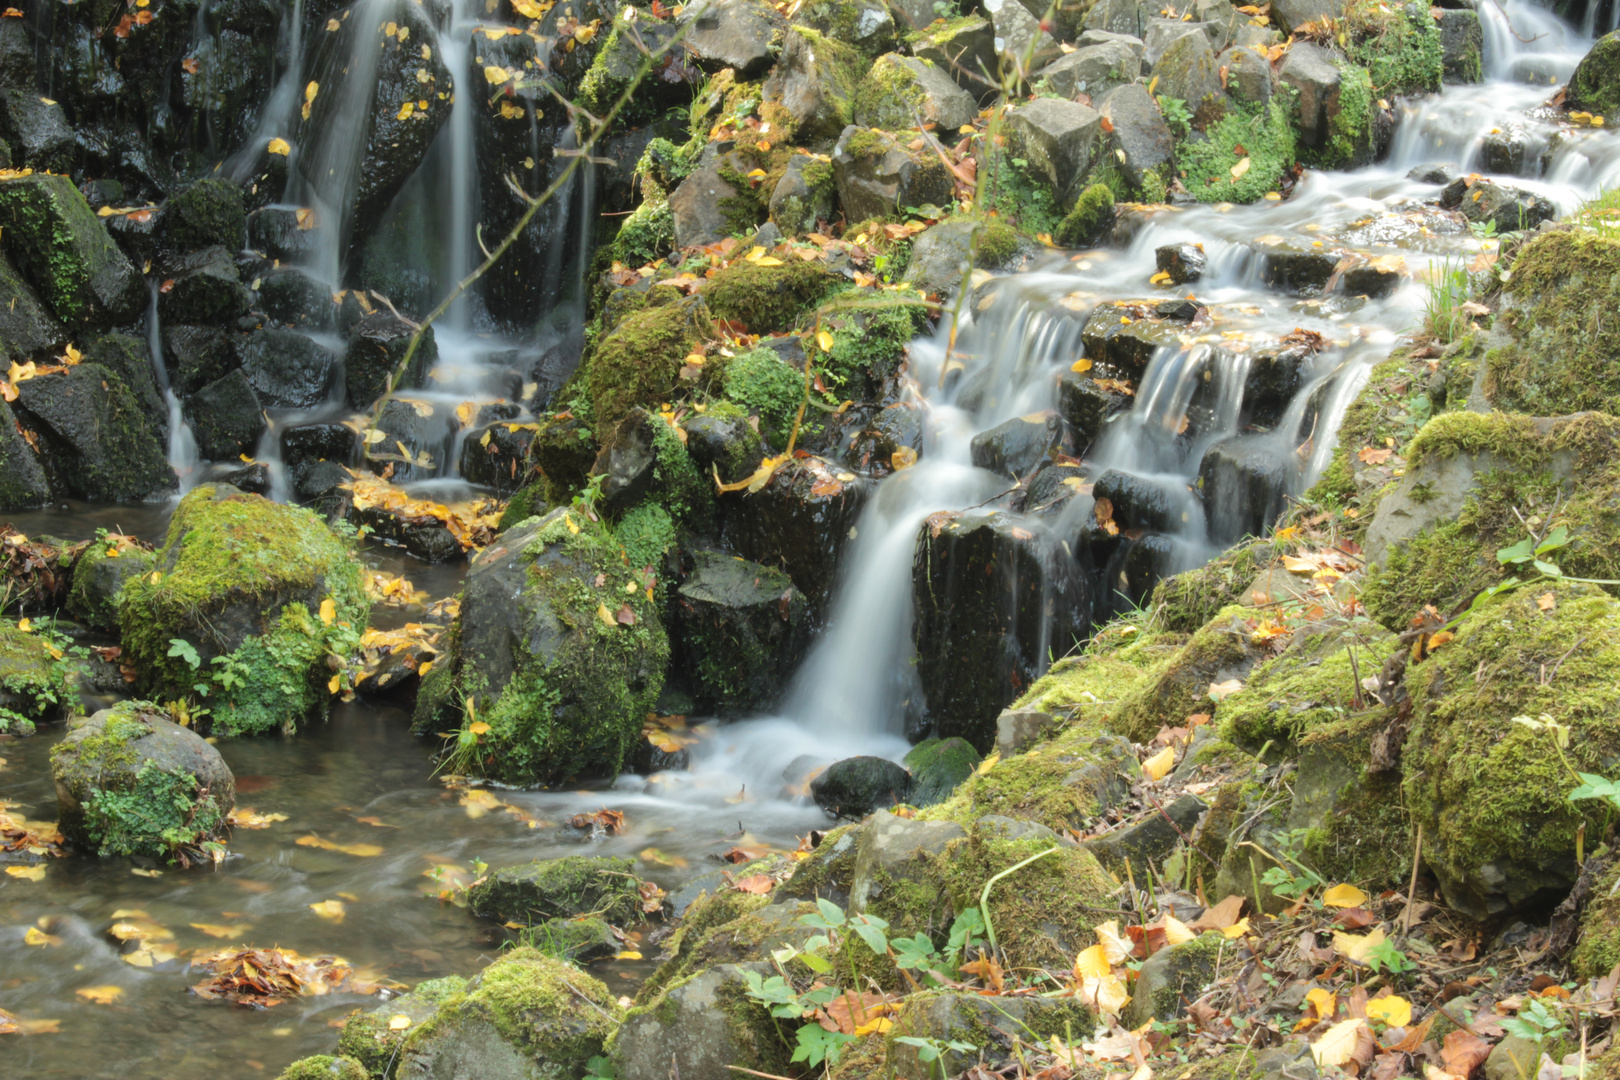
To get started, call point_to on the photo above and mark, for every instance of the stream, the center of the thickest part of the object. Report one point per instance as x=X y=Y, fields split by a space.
x=362 y=779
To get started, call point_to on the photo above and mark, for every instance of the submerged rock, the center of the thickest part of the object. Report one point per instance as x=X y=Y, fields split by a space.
x=266 y=588
x=563 y=888
x=552 y=653
x=131 y=782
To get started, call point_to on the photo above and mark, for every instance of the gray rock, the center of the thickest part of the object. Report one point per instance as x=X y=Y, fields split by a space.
x=55 y=240
x=1221 y=21
x=23 y=485
x=907 y=90
x=1132 y=40
x=1291 y=1061
x=1186 y=70
x=26 y=326
x=1141 y=140
x=1093 y=70
x=1249 y=78
x=997 y=1023
x=1160 y=32
x=736 y=34
x=888 y=849
x=1019 y=729
x=1311 y=72
x=37 y=130
x=1462 y=46
x=1147 y=842
x=937 y=767
x=1289 y=15
x=941 y=256
x=1173 y=978
x=866 y=24
x=1117 y=17
x=804 y=195
x=876 y=175
x=1503 y=150
x=1488 y=203
x=963 y=48
x=699 y=1027
x=916 y=14
x=1059 y=139
x=1019 y=37
x=133 y=741
x=856 y=786
x=696 y=203
x=814 y=84
x=1294 y=265
x=563 y=888
x=1514 y=1058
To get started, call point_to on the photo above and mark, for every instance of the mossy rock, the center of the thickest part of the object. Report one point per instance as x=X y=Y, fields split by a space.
x=527 y=1014
x=131 y=782
x=1313 y=683
x=552 y=653
x=572 y=886
x=1266 y=133
x=698 y=1027
x=324 y=1067
x=1595 y=84
x=1186 y=601
x=1089 y=221
x=1179 y=685
x=1597 y=948
x=579 y=941
x=35 y=679
x=1355 y=828
x=757 y=930
x=368 y=1037
x=826 y=873
x=991 y=1025
x=99 y=575
x=760 y=381
x=768 y=299
x=50 y=233
x=1092 y=684
x=938 y=767
x=1399 y=45
x=267 y=590
x=1173 y=978
x=1489 y=793
x=639 y=362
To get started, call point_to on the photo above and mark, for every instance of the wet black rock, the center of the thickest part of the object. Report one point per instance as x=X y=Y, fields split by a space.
x=1140 y=502
x=202 y=287
x=1020 y=446
x=1508 y=209
x=854 y=787
x=289 y=295
x=1087 y=406
x=628 y=461
x=937 y=767
x=26 y=326
x=286 y=369
x=1135 y=566
x=16 y=56
x=1125 y=345
x=226 y=418
x=254 y=479
x=1183 y=262
x=724 y=443
x=377 y=347
x=23 y=485
x=1462 y=46
x=1053 y=487
x=195 y=356
x=1431 y=174
x=276 y=232
x=129 y=358
x=37 y=131
x=1295 y=265
x=742 y=630
x=1503 y=150
x=979 y=646
x=209 y=213
x=307 y=446
x=1375 y=277
x=95 y=441
x=799 y=521
x=496 y=456
x=417 y=436
x=51 y=235
x=1244 y=481
x=1275 y=372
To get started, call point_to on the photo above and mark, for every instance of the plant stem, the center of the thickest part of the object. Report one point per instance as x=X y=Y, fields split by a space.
x=984 y=895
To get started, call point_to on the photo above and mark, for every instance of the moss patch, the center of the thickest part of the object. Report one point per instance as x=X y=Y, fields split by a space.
x=768 y=299
x=1265 y=131
x=1398 y=45
x=638 y=363
x=767 y=386
x=1092 y=216
x=1309 y=685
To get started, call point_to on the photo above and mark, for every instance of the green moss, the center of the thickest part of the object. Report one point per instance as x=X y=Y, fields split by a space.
x=1349 y=140
x=646 y=235
x=889 y=96
x=827 y=871
x=646 y=533
x=562 y=888
x=1595 y=86
x=995 y=244
x=1490 y=793
x=370 y=1041
x=1398 y=45
x=35 y=679
x=1362 y=835
x=870 y=340
x=1597 y=949
x=1016 y=194
x=1178 y=685
x=527 y=502
x=639 y=362
x=768 y=299
x=1092 y=215
x=1091 y=685
x=1553 y=351
x=768 y=386
x=324 y=1067
x=1191 y=967
x=534 y=1002
x=1312 y=683
x=1188 y=600
x=1512 y=438
x=1266 y=132
x=226 y=550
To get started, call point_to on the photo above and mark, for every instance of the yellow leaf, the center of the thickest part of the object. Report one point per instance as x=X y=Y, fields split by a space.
x=25 y=625
x=334 y=684
x=627 y=954
x=825 y=340
x=1080 y=365
x=605 y=615
x=99 y=995
x=1161 y=278
x=311 y=90
x=1176 y=932
x=1324 y=1002
x=1342 y=896
x=399 y=1023
x=755 y=254
x=1116 y=945
x=1240 y=168
x=1237 y=929
x=215 y=930
x=510 y=111
x=330 y=909
x=874 y=1027
x=364 y=851
x=27 y=873
x=988 y=763
x=1393 y=1010
x=572 y=526
x=328 y=611
x=495 y=74
x=478 y=727
x=1337 y=1043
x=1160 y=764
x=36 y=936
x=1354 y=947
x=423 y=668
x=406 y=110
x=1093 y=963
x=768 y=260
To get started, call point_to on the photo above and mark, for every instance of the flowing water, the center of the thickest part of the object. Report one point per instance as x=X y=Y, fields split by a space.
x=852 y=695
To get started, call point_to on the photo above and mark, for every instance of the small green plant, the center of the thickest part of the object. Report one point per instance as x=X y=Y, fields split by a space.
x=933 y=1050
x=598 y=1068
x=1292 y=884
x=1532 y=558
x=1176 y=114
x=1443 y=314
x=1536 y=1023
x=462 y=758
x=1385 y=958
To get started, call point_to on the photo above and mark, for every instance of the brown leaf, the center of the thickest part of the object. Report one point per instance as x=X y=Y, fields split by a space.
x=1356 y=918
x=758 y=884
x=987 y=970
x=1463 y=1052
x=1220 y=916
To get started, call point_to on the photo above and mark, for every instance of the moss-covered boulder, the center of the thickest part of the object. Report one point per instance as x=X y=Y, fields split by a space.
x=99 y=575
x=1178 y=685
x=1267 y=135
x=1313 y=682
x=1090 y=220
x=528 y=1016
x=559 y=888
x=131 y=782
x=811 y=91
x=1597 y=945
x=698 y=1027
x=743 y=628
x=555 y=661
x=938 y=767
x=254 y=600
x=209 y=212
x=990 y=1025
x=370 y=1039
x=729 y=927
x=1186 y=601
x=1489 y=793
x=324 y=1067
x=1173 y=978
x=35 y=679
x=1595 y=84
x=768 y=299
x=49 y=232
x=639 y=363
x=1398 y=44
x=579 y=941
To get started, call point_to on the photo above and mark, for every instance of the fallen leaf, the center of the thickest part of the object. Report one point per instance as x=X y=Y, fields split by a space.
x=1222 y=690
x=99 y=995
x=1344 y=896
x=1338 y=1043
x=1393 y=1010
x=1355 y=948
x=364 y=851
x=330 y=909
x=1159 y=765
x=27 y=873
x=758 y=884
x=36 y=936
x=1463 y=1052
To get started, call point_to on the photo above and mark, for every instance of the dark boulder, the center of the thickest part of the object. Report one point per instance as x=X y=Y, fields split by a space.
x=1183 y=262
x=1086 y=406
x=49 y=232
x=726 y=444
x=877 y=174
x=377 y=348
x=202 y=287
x=23 y=485
x=209 y=213
x=937 y=767
x=800 y=520
x=1595 y=84
x=742 y=630
x=27 y=328
x=416 y=438
x=743 y=35
x=129 y=358
x=1020 y=446
x=95 y=441
x=854 y=787
x=226 y=418
x=286 y=369
x=37 y=131
x=1485 y=202
x=496 y=456
x=278 y=232
x=1245 y=482
x=194 y=356
x=290 y=295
